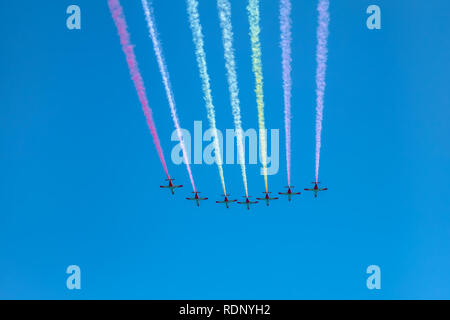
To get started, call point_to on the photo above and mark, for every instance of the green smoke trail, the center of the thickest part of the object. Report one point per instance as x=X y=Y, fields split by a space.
x=253 y=18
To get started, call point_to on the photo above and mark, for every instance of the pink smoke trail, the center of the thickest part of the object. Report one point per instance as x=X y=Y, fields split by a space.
x=286 y=38
x=166 y=81
x=121 y=24
x=321 y=59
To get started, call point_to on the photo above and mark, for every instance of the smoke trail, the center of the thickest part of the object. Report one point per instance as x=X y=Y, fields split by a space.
x=230 y=64
x=166 y=81
x=253 y=17
x=127 y=47
x=321 y=59
x=197 y=36
x=285 y=27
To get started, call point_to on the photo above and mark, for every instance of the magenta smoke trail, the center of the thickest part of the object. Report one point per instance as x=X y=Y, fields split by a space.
x=121 y=24
x=166 y=81
x=285 y=27
x=321 y=59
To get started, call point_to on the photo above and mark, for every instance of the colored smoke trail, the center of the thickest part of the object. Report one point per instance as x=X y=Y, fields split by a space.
x=321 y=59
x=230 y=64
x=197 y=37
x=253 y=17
x=127 y=47
x=286 y=39
x=166 y=81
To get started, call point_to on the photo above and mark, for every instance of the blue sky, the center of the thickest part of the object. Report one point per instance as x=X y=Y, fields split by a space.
x=80 y=175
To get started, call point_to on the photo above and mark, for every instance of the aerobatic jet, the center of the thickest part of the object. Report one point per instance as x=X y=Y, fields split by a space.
x=247 y=202
x=196 y=198
x=316 y=189
x=289 y=193
x=267 y=198
x=171 y=186
x=226 y=200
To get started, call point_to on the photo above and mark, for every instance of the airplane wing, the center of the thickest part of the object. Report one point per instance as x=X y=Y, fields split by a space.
x=221 y=202
x=178 y=186
x=253 y=202
x=285 y=193
x=242 y=202
x=296 y=193
x=323 y=189
x=202 y=198
x=273 y=198
x=190 y=199
x=164 y=186
x=309 y=189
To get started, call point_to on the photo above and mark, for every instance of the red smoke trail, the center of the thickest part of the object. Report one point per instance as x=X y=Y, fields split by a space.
x=285 y=27
x=321 y=59
x=121 y=24
x=166 y=81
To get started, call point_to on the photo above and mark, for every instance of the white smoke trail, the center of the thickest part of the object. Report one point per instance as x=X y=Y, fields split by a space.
x=197 y=35
x=166 y=81
x=230 y=64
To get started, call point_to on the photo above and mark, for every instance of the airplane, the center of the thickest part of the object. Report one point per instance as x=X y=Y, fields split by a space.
x=267 y=198
x=171 y=186
x=196 y=198
x=289 y=193
x=226 y=200
x=247 y=202
x=316 y=189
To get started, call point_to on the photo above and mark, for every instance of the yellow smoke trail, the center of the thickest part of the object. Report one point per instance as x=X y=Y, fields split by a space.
x=253 y=18
x=197 y=35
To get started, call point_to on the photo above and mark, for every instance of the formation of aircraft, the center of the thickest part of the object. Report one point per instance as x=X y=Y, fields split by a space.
x=267 y=198
x=316 y=188
x=247 y=202
x=171 y=186
x=197 y=198
x=226 y=200
x=289 y=193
